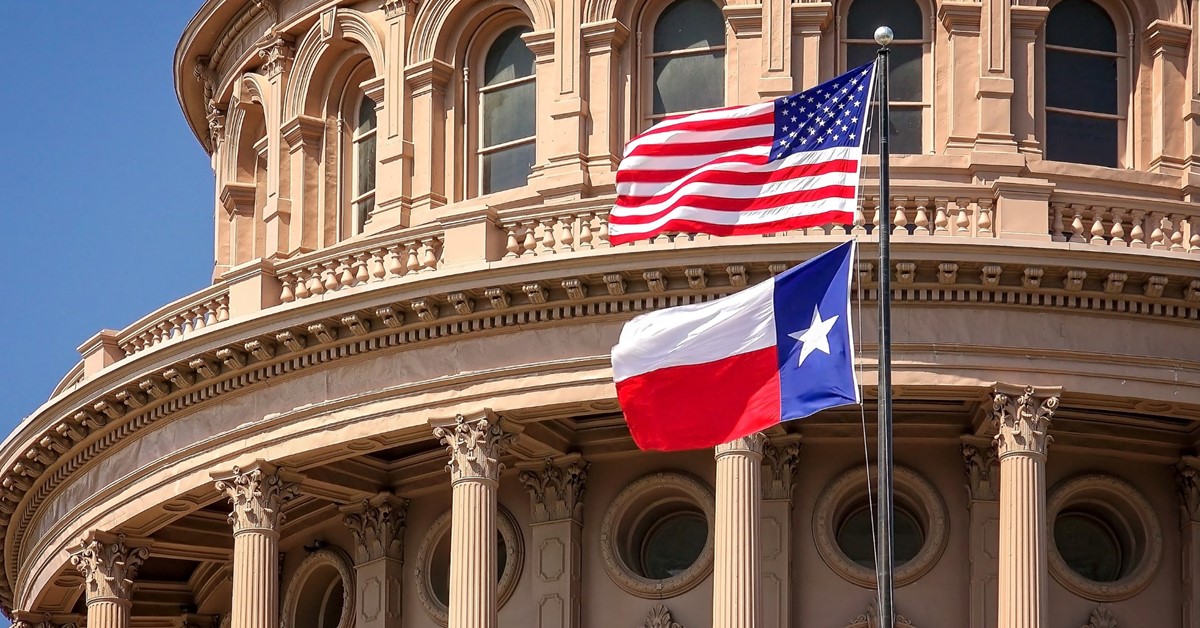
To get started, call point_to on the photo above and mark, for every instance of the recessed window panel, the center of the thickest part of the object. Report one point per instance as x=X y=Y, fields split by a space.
x=904 y=65
x=1081 y=24
x=506 y=113
x=905 y=125
x=507 y=168
x=689 y=24
x=857 y=541
x=1081 y=139
x=508 y=58
x=686 y=83
x=673 y=545
x=902 y=16
x=1088 y=546
x=366 y=165
x=1081 y=81
x=366 y=115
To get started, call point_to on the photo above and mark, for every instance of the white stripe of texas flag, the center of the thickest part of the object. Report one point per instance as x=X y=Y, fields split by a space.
x=697 y=334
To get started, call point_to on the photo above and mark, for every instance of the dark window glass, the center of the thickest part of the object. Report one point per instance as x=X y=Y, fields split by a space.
x=1081 y=139
x=509 y=58
x=1088 y=546
x=366 y=165
x=366 y=115
x=507 y=113
x=331 y=614
x=507 y=168
x=904 y=65
x=689 y=24
x=1081 y=81
x=1081 y=24
x=856 y=540
x=673 y=545
x=903 y=16
x=905 y=137
x=690 y=82
x=364 y=162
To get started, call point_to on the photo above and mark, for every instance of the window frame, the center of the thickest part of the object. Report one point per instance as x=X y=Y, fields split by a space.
x=644 y=56
x=925 y=105
x=356 y=89
x=474 y=61
x=1121 y=20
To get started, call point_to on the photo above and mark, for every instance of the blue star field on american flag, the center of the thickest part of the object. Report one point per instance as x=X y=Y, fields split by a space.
x=832 y=114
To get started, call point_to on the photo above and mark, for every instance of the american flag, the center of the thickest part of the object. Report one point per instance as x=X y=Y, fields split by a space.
x=784 y=164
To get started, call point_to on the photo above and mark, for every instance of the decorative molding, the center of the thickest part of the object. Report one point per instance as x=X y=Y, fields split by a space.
x=277 y=54
x=870 y=619
x=393 y=9
x=378 y=525
x=1023 y=421
x=626 y=511
x=1136 y=521
x=779 y=466
x=556 y=492
x=1187 y=479
x=659 y=617
x=848 y=491
x=312 y=567
x=980 y=463
x=108 y=565
x=257 y=495
x=474 y=447
x=1102 y=617
x=747 y=444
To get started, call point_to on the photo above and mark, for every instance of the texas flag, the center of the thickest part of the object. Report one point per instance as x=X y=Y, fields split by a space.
x=700 y=375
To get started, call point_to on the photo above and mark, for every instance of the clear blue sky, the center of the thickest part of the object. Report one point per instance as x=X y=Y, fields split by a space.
x=105 y=194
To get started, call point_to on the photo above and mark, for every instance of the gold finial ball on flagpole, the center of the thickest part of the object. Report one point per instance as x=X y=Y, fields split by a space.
x=884 y=35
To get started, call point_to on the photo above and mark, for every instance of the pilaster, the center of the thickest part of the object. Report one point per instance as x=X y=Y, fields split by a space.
x=1187 y=474
x=378 y=526
x=995 y=80
x=780 y=455
x=556 y=491
x=474 y=446
x=809 y=21
x=746 y=25
x=1026 y=23
x=1167 y=44
x=393 y=189
x=983 y=534
x=1022 y=418
x=737 y=566
x=602 y=50
x=776 y=79
x=257 y=494
x=962 y=23
x=109 y=563
x=559 y=171
x=427 y=83
x=277 y=53
x=303 y=136
x=1022 y=208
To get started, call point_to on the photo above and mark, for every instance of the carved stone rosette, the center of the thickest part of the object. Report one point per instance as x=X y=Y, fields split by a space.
x=659 y=617
x=108 y=565
x=1023 y=421
x=779 y=463
x=257 y=495
x=556 y=492
x=474 y=447
x=378 y=527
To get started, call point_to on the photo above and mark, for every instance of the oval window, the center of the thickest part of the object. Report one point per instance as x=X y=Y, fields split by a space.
x=673 y=544
x=1089 y=546
x=856 y=538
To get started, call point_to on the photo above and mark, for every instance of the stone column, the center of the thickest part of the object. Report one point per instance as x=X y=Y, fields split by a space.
x=737 y=572
x=378 y=527
x=1022 y=417
x=983 y=534
x=474 y=447
x=779 y=470
x=1188 y=475
x=257 y=494
x=109 y=562
x=556 y=498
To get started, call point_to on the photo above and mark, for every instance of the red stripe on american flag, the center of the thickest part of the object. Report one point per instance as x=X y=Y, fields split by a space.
x=732 y=177
x=725 y=204
x=683 y=148
x=722 y=124
x=786 y=224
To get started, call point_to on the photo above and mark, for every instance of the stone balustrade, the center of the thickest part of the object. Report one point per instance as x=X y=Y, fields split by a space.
x=1162 y=226
x=360 y=262
x=177 y=320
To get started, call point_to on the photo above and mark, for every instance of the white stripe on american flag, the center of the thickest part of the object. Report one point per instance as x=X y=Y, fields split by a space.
x=774 y=215
x=653 y=188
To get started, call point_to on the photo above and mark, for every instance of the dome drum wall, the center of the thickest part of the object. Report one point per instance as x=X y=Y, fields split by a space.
x=350 y=314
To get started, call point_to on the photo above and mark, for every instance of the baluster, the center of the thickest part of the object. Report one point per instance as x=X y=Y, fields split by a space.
x=900 y=218
x=315 y=284
x=1177 y=232
x=941 y=222
x=603 y=233
x=875 y=216
x=1117 y=232
x=287 y=294
x=1194 y=241
x=360 y=268
x=513 y=247
x=860 y=221
x=585 y=231
x=1136 y=234
x=429 y=261
x=302 y=287
x=394 y=265
x=187 y=323
x=223 y=309
x=985 y=216
x=198 y=315
x=345 y=275
x=1077 y=224
x=414 y=262
x=173 y=327
x=331 y=276
x=568 y=236
x=963 y=221
x=922 y=219
x=1057 y=229
x=378 y=272
x=1158 y=239
x=548 y=236
x=1097 y=226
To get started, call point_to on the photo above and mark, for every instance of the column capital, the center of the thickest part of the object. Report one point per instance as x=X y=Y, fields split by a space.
x=257 y=494
x=1022 y=418
x=779 y=462
x=377 y=524
x=752 y=444
x=109 y=563
x=474 y=446
x=981 y=457
x=277 y=54
x=1187 y=478
x=556 y=489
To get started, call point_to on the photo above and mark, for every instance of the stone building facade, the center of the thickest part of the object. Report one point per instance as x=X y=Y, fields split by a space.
x=394 y=404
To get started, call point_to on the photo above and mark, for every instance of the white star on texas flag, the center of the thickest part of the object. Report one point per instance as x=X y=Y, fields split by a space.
x=816 y=337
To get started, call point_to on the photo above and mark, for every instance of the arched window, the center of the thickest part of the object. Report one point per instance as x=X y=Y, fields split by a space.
x=508 y=114
x=1083 y=104
x=362 y=142
x=907 y=62
x=685 y=63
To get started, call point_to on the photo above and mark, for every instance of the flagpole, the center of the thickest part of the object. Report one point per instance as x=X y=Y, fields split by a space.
x=883 y=558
